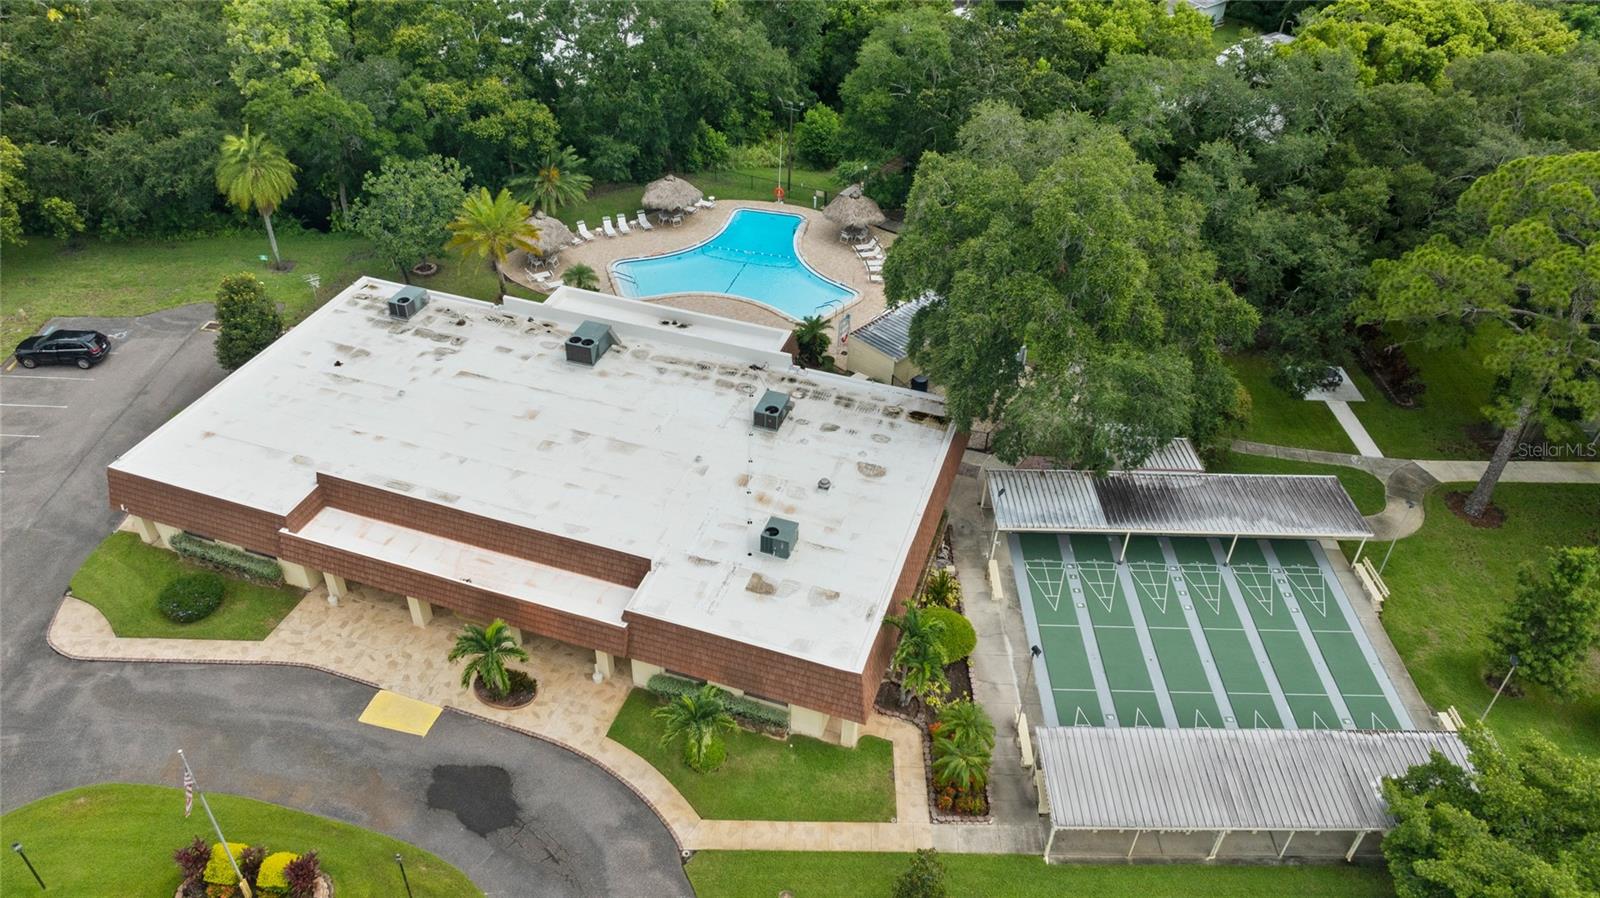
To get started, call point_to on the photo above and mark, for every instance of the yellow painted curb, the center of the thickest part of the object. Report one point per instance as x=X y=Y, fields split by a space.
x=396 y=712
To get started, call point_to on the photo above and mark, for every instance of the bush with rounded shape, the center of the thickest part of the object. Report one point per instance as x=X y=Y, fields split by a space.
x=219 y=871
x=958 y=638
x=271 y=878
x=191 y=597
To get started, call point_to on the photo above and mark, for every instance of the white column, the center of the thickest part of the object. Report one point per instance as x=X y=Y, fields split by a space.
x=147 y=530
x=299 y=575
x=1351 y=854
x=604 y=666
x=421 y=612
x=516 y=632
x=849 y=733
x=807 y=722
x=337 y=588
x=643 y=671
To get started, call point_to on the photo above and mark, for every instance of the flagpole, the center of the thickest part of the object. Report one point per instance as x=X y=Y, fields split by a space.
x=223 y=840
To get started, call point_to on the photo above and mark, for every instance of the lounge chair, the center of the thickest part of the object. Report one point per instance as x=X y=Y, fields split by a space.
x=870 y=254
x=542 y=276
x=875 y=278
x=583 y=231
x=644 y=222
x=874 y=267
x=867 y=247
x=607 y=228
x=676 y=219
x=622 y=224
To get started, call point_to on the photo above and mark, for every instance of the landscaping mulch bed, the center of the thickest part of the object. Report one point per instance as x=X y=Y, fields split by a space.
x=1493 y=516
x=523 y=691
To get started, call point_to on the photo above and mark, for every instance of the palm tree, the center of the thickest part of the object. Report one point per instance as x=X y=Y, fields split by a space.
x=558 y=181
x=489 y=648
x=966 y=723
x=918 y=659
x=964 y=766
x=254 y=174
x=490 y=227
x=811 y=338
x=581 y=276
x=699 y=718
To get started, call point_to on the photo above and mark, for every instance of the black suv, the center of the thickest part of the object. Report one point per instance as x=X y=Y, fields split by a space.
x=82 y=348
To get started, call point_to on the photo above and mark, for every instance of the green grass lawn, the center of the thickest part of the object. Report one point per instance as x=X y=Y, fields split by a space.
x=123 y=577
x=1279 y=418
x=1365 y=489
x=1457 y=389
x=1229 y=33
x=765 y=779
x=743 y=874
x=1448 y=585
x=118 y=839
x=41 y=280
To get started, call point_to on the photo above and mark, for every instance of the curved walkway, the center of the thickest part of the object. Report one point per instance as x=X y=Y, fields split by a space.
x=519 y=816
x=1406 y=482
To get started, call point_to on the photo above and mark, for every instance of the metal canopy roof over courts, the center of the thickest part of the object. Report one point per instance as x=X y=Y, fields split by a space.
x=1155 y=779
x=890 y=332
x=1175 y=503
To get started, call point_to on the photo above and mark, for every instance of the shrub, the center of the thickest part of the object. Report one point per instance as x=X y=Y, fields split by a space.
x=191 y=597
x=941 y=589
x=230 y=559
x=817 y=137
x=302 y=874
x=218 y=870
x=965 y=722
x=957 y=639
x=923 y=879
x=272 y=875
x=249 y=319
x=250 y=862
x=191 y=860
x=748 y=711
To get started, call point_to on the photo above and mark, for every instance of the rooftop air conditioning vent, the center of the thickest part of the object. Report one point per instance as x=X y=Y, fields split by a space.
x=778 y=537
x=772 y=408
x=589 y=342
x=407 y=301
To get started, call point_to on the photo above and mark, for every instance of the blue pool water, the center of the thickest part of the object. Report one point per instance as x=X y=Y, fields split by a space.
x=753 y=256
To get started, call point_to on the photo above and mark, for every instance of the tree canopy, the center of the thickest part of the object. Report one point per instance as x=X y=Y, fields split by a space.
x=1078 y=309
x=406 y=206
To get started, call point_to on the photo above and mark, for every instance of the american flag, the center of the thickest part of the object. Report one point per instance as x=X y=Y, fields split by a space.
x=188 y=792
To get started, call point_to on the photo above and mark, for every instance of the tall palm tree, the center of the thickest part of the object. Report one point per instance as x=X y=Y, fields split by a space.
x=698 y=718
x=490 y=227
x=918 y=659
x=582 y=276
x=811 y=338
x=488 y=649
x=558 y=181
x=254 y=174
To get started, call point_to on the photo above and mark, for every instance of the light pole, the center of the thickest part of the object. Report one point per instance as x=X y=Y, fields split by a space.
x=791 y=108
x=17 y=847
x=401 y=861
x=1514 y=662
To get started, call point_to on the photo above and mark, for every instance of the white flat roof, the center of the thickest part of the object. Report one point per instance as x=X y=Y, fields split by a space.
x=651 y=452
x=508 y=575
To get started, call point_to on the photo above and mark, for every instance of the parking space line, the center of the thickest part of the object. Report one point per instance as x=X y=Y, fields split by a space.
x=19 y=436
x=42 y=377
x=27 y=405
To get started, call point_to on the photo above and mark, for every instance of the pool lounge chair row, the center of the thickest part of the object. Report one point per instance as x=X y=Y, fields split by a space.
x=872 y=256
x=621 y=228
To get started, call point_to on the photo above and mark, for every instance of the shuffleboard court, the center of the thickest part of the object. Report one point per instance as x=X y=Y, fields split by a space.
x=1133 y=692
x=1248 y=690
x=1325 y=609
x=1069 y=678
x=1292 y=662
x=1163 y=601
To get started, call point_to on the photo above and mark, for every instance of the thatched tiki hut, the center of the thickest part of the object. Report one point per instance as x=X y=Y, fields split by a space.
x=670 y=194
x=553 y=238
x=854 y=212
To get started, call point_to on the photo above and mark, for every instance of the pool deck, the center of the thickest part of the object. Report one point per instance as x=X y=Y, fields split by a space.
x=819 y=245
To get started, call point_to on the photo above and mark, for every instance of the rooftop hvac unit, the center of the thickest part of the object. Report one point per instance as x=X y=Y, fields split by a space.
x=588 y=343
x=407 y=301
x=772 y=409
x=778 y=537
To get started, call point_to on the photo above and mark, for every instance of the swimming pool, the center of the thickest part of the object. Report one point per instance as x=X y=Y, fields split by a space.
x=754 y=256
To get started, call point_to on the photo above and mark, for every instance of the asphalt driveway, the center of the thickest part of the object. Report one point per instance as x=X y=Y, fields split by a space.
x=518 y=815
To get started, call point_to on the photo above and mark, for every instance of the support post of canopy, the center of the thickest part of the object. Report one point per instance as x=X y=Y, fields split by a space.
x=1124 y=554
x=1284 y=850
x=1357 y=559
x=1231 y=546
x=1050 y=843
x=1136 y=834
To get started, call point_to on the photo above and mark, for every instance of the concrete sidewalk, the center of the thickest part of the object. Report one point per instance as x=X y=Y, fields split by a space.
x=369 y=638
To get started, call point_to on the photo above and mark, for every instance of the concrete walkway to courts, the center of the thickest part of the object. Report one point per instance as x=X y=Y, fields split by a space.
x=369 y=638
